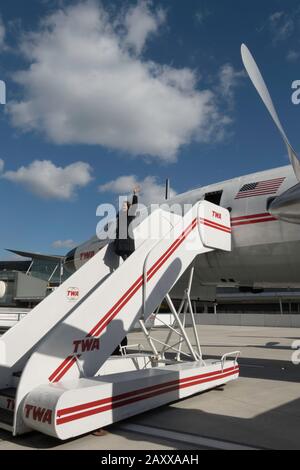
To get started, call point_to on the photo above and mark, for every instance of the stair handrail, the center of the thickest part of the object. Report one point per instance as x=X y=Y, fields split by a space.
x=234 y=354
x=145 y=268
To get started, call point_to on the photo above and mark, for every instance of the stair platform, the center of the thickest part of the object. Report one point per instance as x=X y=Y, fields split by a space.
x=77 y=407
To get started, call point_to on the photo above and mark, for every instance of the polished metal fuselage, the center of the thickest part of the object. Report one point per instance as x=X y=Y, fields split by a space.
x=265 y=249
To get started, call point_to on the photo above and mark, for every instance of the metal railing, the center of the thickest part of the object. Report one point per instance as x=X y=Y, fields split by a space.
x=235 y=354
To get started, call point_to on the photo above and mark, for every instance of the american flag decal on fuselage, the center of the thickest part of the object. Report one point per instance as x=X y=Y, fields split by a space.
x=261 y=188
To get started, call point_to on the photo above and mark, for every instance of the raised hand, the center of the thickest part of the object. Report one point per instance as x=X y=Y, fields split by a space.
x=136 y=189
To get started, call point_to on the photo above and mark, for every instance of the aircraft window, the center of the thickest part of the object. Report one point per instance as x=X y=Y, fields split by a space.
x=214 y=198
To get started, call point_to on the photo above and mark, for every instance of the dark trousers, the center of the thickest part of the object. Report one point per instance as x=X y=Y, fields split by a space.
x=124 y=256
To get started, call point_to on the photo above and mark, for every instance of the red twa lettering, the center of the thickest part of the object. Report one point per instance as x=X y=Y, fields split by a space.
x=28 y=409
x=38 y=413
x=72 y=293
x=217 y=215
x=10 y=405
x=47 y=417
x=86 y=345
x=90 y=345
x=87 y=255
x=42 y=415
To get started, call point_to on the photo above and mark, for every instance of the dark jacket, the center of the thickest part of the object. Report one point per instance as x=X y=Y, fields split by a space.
x=125 y=244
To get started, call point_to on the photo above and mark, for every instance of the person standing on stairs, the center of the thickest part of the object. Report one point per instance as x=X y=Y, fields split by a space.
x=124 y=243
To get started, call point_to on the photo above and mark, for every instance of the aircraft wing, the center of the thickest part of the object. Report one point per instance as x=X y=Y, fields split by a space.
x=39 y=256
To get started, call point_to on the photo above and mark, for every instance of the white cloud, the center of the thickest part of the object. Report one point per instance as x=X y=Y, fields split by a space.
x=85 y=85
x=229 y=80
x=281 y=25
x=49 y=181
x=292 y=56
x=68 y=244
x=152 y=192
x=140 y=22
x=201 y=16
x=1 y=165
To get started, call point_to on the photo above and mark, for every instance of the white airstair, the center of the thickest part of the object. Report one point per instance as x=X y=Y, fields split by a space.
x=57 y=372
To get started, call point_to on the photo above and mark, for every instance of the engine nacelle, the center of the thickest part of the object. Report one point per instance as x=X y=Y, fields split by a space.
x=286 y=207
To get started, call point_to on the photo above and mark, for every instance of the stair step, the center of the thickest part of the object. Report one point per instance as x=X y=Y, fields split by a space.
x=6 y=420
x=8 y=392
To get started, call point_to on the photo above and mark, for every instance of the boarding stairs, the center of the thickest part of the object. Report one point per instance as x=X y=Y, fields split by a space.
x=57 y=375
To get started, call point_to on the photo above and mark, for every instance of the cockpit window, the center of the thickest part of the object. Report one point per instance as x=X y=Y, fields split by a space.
x=214 y=198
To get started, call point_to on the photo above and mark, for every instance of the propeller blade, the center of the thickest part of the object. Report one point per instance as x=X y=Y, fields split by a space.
x=259 y=83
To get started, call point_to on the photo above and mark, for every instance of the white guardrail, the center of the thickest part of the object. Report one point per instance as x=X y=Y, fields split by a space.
x=235 y=354
x=10 y=316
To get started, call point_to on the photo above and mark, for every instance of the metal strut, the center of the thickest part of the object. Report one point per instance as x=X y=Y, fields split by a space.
x=184 y=309
x=188 y=298
x=181 y=327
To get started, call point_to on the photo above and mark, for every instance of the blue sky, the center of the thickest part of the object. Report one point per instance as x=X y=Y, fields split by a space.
x=105 y=95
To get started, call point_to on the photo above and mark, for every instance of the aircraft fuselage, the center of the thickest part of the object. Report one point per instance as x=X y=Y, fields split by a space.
x=265 y=250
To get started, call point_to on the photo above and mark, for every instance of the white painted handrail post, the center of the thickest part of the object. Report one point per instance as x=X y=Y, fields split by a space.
x=148 y=337
x=235 y=354
x=183 y=324
x=174 y=322
x=188 y=294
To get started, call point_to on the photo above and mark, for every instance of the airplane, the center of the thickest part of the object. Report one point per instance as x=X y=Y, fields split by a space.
x=265 y=219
